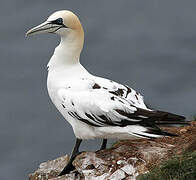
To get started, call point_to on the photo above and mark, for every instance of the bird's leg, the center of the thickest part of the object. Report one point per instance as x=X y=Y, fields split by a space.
x=104 y=143
x=69 y=167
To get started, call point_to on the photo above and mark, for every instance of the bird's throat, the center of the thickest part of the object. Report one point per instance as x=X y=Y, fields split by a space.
x=67 y=52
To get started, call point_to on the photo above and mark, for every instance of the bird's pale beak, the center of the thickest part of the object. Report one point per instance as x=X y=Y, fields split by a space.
x=46 y=27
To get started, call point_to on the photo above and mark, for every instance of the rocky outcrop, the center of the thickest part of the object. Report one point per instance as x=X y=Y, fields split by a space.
x=125 y=160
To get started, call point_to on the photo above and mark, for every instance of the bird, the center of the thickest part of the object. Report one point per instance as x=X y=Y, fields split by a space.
x=95 y=107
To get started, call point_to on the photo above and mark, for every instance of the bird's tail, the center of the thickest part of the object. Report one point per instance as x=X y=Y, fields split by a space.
x=155 y=119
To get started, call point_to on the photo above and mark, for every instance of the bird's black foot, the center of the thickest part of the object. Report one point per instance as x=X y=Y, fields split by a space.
x=104 y=143
x=69 y=167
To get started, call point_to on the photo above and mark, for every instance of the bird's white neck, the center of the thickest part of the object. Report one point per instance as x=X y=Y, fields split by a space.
x=67 y=53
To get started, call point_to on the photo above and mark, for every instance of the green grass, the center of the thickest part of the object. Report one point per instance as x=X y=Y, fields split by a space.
x=177 y=168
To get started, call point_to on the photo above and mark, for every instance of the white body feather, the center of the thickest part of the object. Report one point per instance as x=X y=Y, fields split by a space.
x=95 y=107
x=70 y=84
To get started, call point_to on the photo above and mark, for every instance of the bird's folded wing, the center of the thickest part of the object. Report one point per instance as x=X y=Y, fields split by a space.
x=98 y=107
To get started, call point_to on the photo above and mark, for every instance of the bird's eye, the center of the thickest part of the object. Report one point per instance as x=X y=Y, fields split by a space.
x=58 y=21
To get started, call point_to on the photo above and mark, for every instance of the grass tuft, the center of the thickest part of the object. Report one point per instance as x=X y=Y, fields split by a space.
x=182 y=167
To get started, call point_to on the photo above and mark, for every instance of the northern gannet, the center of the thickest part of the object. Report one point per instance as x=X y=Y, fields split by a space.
x=95 y=107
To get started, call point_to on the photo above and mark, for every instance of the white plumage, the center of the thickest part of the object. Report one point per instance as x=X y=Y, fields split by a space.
x=95 y=107
x=91 y=102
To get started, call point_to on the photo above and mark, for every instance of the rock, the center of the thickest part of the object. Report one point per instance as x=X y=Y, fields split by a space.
x=125 y=160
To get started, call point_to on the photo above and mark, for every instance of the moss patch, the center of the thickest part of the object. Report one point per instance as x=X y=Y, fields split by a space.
x=177 y=168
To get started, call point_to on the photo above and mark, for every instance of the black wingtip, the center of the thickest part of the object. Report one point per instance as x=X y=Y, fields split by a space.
x=177 y=117
x=164 y=133
x=170 y=116
x=170 y=119
x=172 y=123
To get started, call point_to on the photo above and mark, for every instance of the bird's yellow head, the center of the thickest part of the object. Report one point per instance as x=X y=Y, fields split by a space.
x=68 y=26
x=61 y=22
